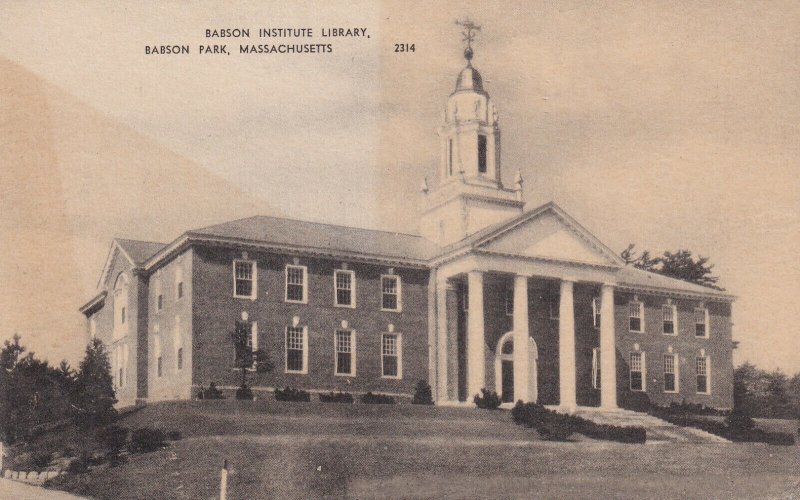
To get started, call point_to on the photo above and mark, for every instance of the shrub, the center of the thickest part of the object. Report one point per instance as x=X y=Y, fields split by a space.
x=377 y=399
x=41 y=459
x=739 y=421
x=422 y=394
x=554 y=428
x=174 y=435
x=113 y=438
x=558 y=427
x=292 y=394
x=738 y=427
x=211 y=393
x=488 y=400
x=78 y=465
x=146 y=440
x=336 y=397
x=244 y=393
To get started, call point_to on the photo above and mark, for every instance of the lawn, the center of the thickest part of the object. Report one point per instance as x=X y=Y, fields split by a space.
x=312 y=450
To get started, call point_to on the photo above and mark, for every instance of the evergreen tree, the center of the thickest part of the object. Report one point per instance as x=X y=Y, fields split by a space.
x=681 y=265
x=94 y=388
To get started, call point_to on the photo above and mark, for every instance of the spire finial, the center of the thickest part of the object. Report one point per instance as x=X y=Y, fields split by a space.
x=468 y=36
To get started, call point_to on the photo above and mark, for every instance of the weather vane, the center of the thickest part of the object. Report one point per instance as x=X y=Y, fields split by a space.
x=469 y=35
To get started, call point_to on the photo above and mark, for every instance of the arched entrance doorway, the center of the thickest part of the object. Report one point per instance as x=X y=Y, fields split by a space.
x=504 y=368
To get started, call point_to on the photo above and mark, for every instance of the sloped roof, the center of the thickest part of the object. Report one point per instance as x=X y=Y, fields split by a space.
x=639 y=278
x=139 y=251
x=330 y=237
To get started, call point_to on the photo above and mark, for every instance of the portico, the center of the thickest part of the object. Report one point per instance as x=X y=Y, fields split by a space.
x=539 y=278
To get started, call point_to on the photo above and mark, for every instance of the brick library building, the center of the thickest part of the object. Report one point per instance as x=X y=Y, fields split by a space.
x=524 y=302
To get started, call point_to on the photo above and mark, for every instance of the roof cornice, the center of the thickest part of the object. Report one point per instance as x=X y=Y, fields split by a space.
x=190 y=238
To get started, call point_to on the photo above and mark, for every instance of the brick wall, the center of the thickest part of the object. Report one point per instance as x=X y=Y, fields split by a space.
x=652 y=341
x=215 y=311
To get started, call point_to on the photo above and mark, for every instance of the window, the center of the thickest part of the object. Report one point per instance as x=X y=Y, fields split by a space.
x=701 y=367
x=596 y=312
x=157 y=354
x=120 y=302
x=668 y=313
x=180 y=358
x=701 y=322
x=244 y=279
x=296 y=353
x=637 y=371
x=179 y=283
x=178 y=343
x=390 y=293
x=482 y=154
x=296 y=277
x=555 y=306
x=450 y=157
x=596 y=368
x=159 y=295
x=345 y=284
x=670 y=373
x=390 y=356
x=636 y=316
x=509 y=301
x=345 y=352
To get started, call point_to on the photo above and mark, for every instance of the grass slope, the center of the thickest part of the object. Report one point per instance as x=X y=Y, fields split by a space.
x=312 y=450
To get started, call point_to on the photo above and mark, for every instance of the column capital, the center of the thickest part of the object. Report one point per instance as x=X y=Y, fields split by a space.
x=568 y=279
x=608 y=284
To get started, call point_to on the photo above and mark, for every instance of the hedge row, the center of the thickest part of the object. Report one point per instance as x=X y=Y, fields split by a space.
x=737 y=427
x=336 y=397
x=292 y=394
x=377 y=399
x=558 y=427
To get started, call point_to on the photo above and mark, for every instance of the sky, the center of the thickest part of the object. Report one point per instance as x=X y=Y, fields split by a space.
x=666 y=124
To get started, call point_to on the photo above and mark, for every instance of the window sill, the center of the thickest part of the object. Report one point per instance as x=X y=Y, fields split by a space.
x=672 y=392
x=697 y=337
x=248 y=297
x=391 y=310
x=349 y=375
x=669 y=334
x=345 y=306
x=293 y=372
x=388 y=377
x=289 y=301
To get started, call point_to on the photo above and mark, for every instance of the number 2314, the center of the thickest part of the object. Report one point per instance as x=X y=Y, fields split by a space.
x=404 y=47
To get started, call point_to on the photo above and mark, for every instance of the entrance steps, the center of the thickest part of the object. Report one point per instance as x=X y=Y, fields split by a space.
x=657 y=430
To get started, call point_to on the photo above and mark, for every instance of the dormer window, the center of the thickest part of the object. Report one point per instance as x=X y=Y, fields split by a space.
x=481 y=154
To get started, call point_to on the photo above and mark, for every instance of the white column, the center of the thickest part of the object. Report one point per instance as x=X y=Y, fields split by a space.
x=476 y=359
x=566 y=347
x=441 y=341
x=608 y=351
x=521 y=329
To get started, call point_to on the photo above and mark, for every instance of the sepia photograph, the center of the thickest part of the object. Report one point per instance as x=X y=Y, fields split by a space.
x=399 y=249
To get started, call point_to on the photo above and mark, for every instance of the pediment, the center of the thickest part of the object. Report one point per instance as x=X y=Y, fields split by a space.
x=552 y=235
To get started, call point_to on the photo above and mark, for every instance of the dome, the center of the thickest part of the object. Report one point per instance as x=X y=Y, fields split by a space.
x=469 y=79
